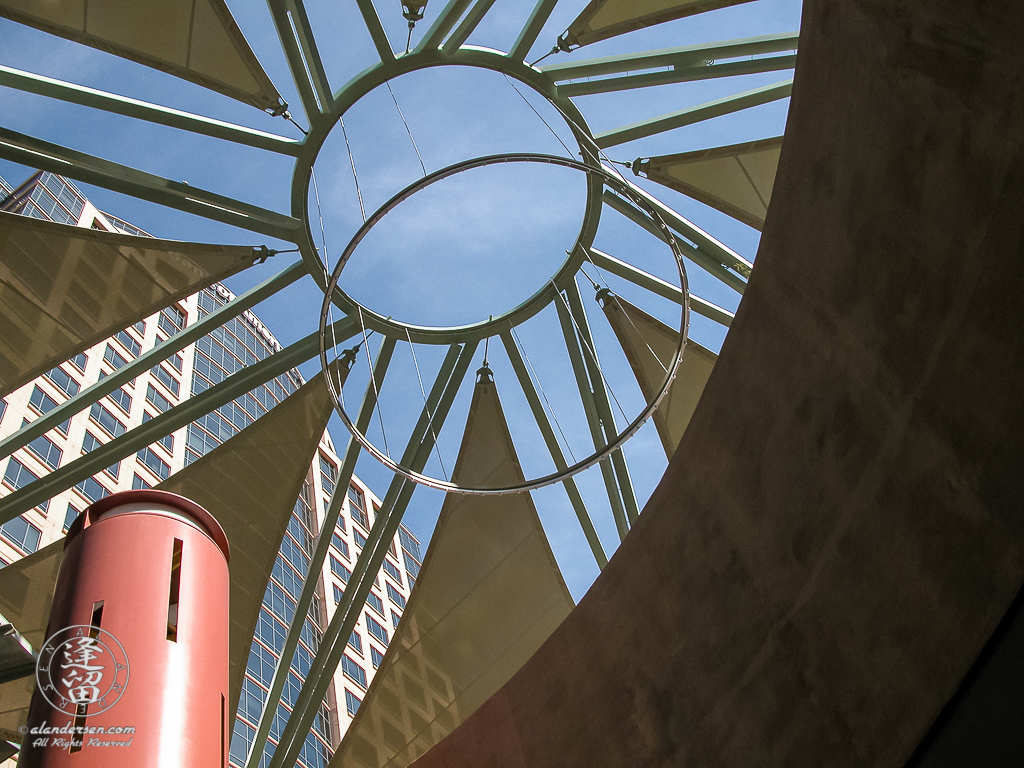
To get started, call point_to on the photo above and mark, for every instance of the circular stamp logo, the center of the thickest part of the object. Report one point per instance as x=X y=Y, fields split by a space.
x=82 y=670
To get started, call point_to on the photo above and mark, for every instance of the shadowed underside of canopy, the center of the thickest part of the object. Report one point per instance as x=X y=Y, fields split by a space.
x=197 y=40
x=65 y=288
x=648 y=344
x=488 y=596
x=249 y=484
x=737 y=179
x=26 y=590
x=602 y=19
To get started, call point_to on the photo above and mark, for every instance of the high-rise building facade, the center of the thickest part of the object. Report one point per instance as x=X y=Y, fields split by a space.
x=237 y=343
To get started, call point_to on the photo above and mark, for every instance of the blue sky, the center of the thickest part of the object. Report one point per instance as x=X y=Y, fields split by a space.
x=473 y=245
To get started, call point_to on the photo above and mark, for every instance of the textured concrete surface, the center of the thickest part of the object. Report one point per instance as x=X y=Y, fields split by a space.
x=842 y=526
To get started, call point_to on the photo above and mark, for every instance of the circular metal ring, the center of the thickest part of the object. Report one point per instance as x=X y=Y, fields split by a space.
x=614 y=181
x=360 y=86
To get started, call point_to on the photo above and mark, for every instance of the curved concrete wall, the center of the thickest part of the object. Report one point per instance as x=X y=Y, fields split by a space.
x=841 y=528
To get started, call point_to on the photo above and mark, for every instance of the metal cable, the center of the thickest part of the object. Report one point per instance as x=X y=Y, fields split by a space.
x=534 y=376
x=426 y=405
x=407 y=129
x=373 y=381
x=593 y=353
x=615 y=296
x=538 y=114
x=352 y=162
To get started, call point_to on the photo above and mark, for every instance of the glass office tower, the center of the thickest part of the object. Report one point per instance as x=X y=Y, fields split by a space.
x=239 y=342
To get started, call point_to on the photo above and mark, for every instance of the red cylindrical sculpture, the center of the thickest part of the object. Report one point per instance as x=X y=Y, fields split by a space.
x=135 y=668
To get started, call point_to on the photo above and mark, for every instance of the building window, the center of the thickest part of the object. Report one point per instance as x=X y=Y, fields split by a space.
x=122 y=399
x=376 y=629
x=80 y=361
x=356 y=641
x=18 y=476
x=353 y=671
x=392 y=570
x=166 y=378
x=21 y=533
x=171 y=320
x=339 y=570
x=357 y=507
x=338 y=593
x=167 y=441
x=359 y=538
x=159 y=467
x=43 y=403
x=107 y=420
x=158 y=401
x=139 y=483
x=63 y=381
x=328 y=474
x=351 y=702
x=375 y=602
x=115 y=358
x=375 y=656
x=340 y=543
x=395 y=596
x=90 y=443
x=133 y=347
x=47 y=451
x=92 y=490
x=177 y=361
x=69 y=517
x=395 y=618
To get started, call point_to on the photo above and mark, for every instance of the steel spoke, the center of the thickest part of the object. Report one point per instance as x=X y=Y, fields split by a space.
x=33 y=152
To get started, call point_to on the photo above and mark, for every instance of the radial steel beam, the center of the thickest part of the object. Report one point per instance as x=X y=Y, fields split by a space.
x=539 y=415
x=442 y=25
x=586 y=388
x=369 y=562
x=679 y=74
x=465 y=29
x=698 y=236
x=144 y=362
x=142 y=110
x=319 y=556
x=683 y=56
x=303 y=57
x=376 y=30
x=660 y=287
x=541 y=12
x=184 y=413
x=690 y=115
x=702 y=259
x=36 y=153
x=601 y=389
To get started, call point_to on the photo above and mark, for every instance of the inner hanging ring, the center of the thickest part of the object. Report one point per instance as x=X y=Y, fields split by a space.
x=333 y=296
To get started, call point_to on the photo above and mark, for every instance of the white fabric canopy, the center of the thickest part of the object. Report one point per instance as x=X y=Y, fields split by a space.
x=736 y=179
x=602 y=19
x=489 y=594
x=197 y=40
x=649 y=345
x=65 y=288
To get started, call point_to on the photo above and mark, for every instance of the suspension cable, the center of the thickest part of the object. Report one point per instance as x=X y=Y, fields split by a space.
x=407 y=128
x=426 y=405
x=538 y=114
x=352 y=162
x=373 y=382
x=593 y=352
x=626 y=314
x=535 y=377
